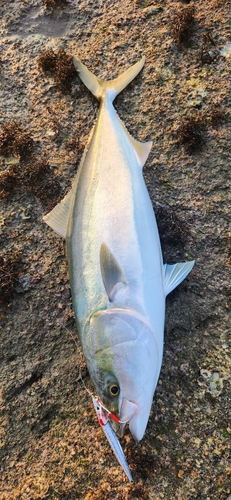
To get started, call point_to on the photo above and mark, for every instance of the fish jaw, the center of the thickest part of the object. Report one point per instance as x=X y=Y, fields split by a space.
x=136 y=415
x=139 y=419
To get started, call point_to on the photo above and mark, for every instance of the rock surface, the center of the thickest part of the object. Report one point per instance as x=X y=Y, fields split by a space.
x=50 y=444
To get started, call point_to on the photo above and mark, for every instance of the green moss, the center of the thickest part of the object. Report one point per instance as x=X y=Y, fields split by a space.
x=225 y=433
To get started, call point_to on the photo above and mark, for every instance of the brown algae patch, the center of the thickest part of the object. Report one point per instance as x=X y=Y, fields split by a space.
x=182 y=24
x=190 y=131
x=36 y=176
x=14 y=140
x=42 y=182
x=51 y=4
x=11 y=267
x=8 y=181
x=60 y=66
x=189 y=134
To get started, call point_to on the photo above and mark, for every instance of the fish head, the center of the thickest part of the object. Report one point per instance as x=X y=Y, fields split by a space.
x=124 y=365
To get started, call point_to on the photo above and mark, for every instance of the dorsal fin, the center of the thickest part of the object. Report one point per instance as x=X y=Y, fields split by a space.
x=112 y=273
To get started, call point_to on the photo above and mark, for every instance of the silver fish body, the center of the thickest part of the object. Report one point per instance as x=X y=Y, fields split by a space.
x=118 y=280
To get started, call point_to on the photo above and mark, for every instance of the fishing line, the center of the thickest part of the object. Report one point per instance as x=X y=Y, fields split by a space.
x=96 y=398
x=80 y=374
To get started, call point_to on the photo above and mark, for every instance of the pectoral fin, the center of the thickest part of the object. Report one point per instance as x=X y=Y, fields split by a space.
x=174 y=274
x=112 y=273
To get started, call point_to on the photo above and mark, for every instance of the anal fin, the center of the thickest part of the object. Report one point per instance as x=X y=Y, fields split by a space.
x=174 y=274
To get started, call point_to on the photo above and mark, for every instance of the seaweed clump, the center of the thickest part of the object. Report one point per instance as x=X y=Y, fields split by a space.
x=7 y=182
x=60 y=66
x=14 y=140
x=51 y=4
x=47 y=61
x=42 y=182
x=208 y=51
x=215 y=116
x=182 y=23
x=37 y=177
x=190 y=133
x=10 y=268
x=172 y=229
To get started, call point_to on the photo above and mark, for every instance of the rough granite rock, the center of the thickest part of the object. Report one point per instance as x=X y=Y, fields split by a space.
x=51 y=446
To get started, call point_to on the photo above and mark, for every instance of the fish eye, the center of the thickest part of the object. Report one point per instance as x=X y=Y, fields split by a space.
x=113 y=390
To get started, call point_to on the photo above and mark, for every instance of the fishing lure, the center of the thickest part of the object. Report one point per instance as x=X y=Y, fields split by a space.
x=103 y=417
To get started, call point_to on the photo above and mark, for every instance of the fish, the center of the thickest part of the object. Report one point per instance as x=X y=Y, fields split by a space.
x=119 y=282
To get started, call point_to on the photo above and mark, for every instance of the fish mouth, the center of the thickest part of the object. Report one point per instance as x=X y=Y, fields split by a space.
x=127 y=411
x=138 y=424
x=130 y=412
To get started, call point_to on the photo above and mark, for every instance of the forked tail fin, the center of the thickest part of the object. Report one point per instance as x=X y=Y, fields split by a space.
x=100 y=88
